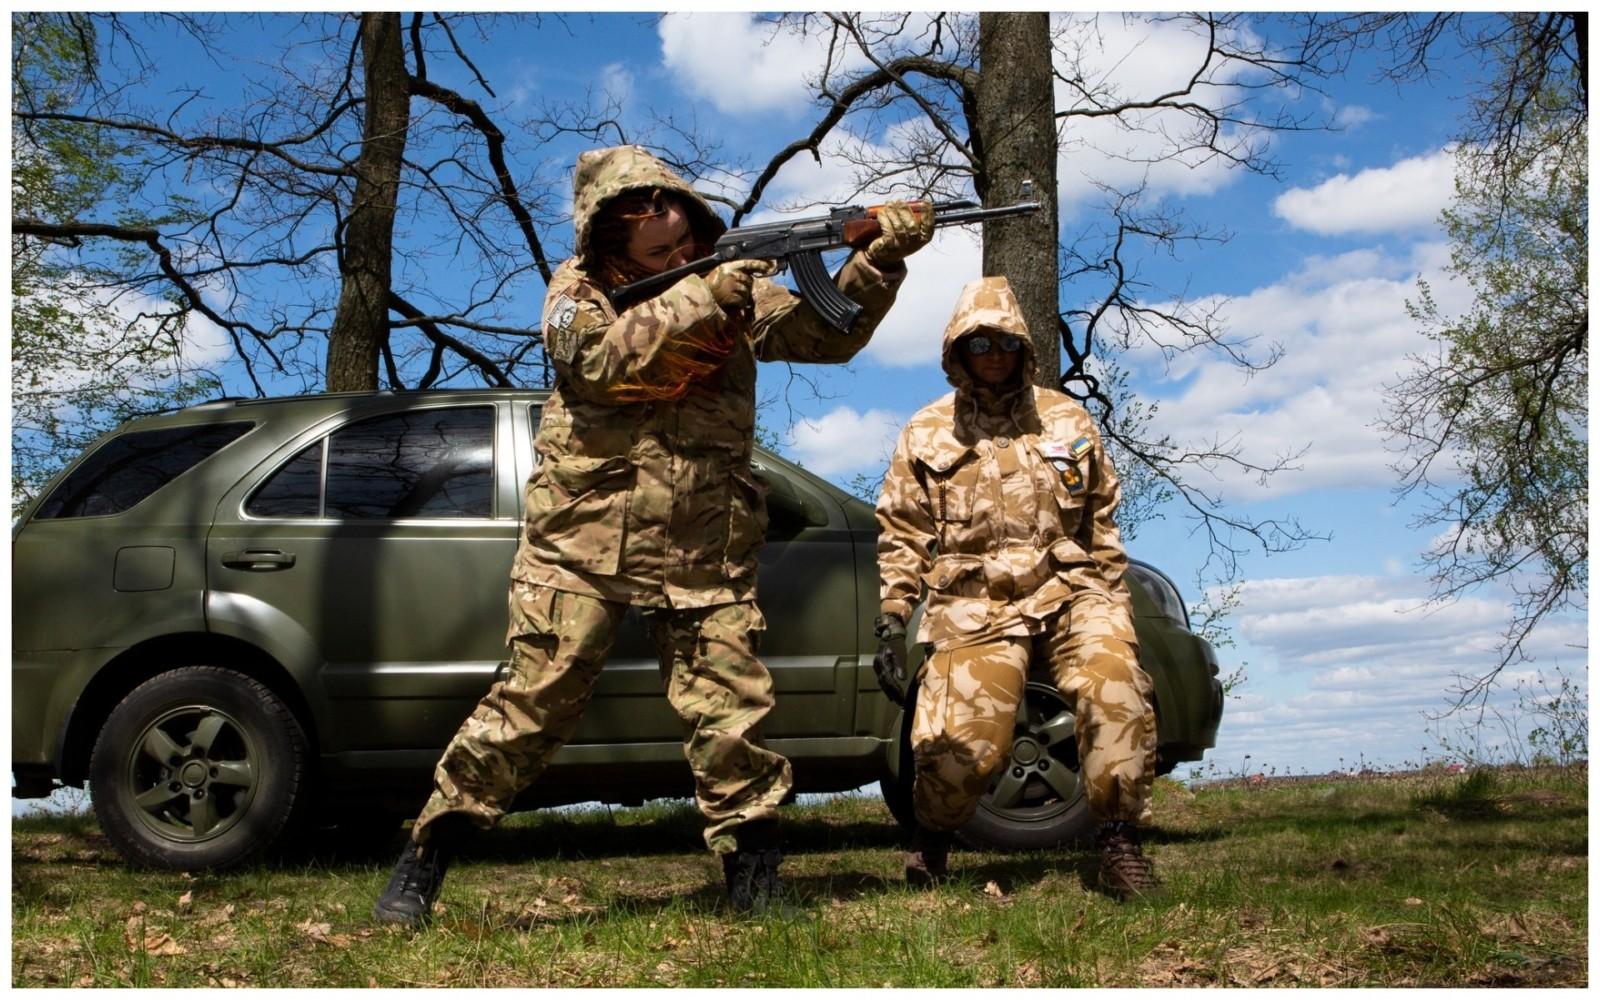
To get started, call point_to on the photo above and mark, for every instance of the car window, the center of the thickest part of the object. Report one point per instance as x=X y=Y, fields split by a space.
x=130 y=467
x=295 y=490
x=433 y=463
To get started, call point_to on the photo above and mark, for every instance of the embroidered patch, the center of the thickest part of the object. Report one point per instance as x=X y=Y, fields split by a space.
x=560 y=339
x=1081 y=447
x=1054 y=450
x=1074 y=478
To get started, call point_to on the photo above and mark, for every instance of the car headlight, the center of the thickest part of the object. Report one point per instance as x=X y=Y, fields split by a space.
x=1162 y=591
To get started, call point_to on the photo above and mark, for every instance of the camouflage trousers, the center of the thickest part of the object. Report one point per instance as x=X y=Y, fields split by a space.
x=559 y=641
x=966 y=715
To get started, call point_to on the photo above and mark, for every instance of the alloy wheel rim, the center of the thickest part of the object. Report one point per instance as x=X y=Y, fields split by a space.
x=1039 y=780
x=192 y=774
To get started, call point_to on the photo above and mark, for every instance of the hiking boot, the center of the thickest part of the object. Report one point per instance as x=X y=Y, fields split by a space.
x=1124 y=870
x=409 y=896
x=752 y=878
x=928 y=862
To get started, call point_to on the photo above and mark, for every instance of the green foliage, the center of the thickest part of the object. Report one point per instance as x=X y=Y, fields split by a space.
x=1493 y=422
x=82 y=358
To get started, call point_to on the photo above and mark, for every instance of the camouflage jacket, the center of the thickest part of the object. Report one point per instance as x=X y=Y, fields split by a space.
x=650 y=499
x=1001 y=503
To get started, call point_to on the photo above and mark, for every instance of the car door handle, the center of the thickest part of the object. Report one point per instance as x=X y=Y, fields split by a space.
x=258 y=559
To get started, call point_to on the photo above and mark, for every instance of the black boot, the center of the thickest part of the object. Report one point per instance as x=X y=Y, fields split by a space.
x=1124 y=870
x=417 y=877
x=751 y=871
x=928 y=863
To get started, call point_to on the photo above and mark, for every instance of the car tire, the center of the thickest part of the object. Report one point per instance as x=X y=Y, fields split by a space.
x=1035 y=801
x=198 y=768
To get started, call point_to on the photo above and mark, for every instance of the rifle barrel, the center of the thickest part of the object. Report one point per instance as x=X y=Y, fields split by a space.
x=960 y=216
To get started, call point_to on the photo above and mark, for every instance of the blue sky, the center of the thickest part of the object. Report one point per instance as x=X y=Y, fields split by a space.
x=1344 y=659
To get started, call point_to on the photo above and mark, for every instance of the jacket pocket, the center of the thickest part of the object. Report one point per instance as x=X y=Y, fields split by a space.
x=747 y=523
x=958 y=600
x=577 y=509
x=952 y=493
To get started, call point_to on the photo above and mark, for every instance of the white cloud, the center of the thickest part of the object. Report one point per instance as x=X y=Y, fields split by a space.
x=1355 y=667
x=1136 y=60
x=616 y=81
x=913 y=331
x=1345 y=334
x=844 y=440
x=1353 y=116
x=738 y=64
x=1406 y=196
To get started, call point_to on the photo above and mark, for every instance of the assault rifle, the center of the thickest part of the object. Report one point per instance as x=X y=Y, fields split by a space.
x=798 y=244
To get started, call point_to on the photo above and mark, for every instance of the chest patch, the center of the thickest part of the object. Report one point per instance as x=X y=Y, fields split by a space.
x=1055 y=451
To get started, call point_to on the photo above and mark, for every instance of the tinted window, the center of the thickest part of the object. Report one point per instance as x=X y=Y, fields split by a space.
x=294 y=490
x=433 y=463
x=130 y=467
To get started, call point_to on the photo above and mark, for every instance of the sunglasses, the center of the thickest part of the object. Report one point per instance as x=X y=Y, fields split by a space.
x=980 y=343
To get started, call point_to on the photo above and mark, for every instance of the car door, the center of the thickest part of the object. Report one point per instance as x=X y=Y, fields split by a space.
x=378 y=548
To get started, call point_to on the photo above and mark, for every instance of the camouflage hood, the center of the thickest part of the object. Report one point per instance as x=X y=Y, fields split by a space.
x=602 y=174
x=987 y=304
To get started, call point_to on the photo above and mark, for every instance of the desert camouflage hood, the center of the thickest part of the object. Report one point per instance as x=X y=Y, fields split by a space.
x=988 y=303
x=602 y=174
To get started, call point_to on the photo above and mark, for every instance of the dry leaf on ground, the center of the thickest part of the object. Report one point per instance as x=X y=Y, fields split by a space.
x=151 y=941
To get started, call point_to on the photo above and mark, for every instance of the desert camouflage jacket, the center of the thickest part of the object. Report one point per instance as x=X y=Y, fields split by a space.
x=1001 y=503
x=644 y=492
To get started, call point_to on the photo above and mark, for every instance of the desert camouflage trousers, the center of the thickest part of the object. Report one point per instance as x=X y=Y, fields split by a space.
x=966 y=715
x=559 y=641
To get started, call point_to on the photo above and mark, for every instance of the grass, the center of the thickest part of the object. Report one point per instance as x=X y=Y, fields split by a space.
x=1415 y=880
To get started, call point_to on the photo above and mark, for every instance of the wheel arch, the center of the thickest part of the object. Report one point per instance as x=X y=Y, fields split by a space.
x=132 y=667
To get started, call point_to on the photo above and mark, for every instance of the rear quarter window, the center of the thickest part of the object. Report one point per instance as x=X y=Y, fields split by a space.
x=130 y=467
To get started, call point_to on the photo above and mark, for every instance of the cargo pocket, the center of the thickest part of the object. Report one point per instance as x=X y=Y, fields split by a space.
x=747 y=523
x=958 y=601
x=577 y=510
x=952 y=495
x=533 y=611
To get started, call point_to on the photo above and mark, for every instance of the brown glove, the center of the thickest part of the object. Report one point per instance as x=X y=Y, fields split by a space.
x=733 y=284
x=907 y=227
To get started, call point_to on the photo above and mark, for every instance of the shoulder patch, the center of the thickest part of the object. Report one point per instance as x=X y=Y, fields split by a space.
x=560 y=339
x=1081 y=447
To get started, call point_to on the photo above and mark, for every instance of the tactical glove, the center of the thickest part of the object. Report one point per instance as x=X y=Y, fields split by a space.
x=733 y=284
x=892 y=664
x=907 y=228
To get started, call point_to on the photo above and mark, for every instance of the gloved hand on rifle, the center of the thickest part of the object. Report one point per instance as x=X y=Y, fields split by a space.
x=733 y=284
x=907 y=227
x=892 y=664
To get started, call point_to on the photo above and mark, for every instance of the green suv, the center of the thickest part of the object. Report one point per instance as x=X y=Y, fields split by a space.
x=255 y=617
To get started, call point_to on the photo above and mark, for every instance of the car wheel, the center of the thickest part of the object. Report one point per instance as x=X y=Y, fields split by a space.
x=1036 y=800
x=199 y=767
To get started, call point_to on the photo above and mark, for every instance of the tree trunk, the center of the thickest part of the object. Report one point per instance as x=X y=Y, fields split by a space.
x=1016 y=141
x=361 y=323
